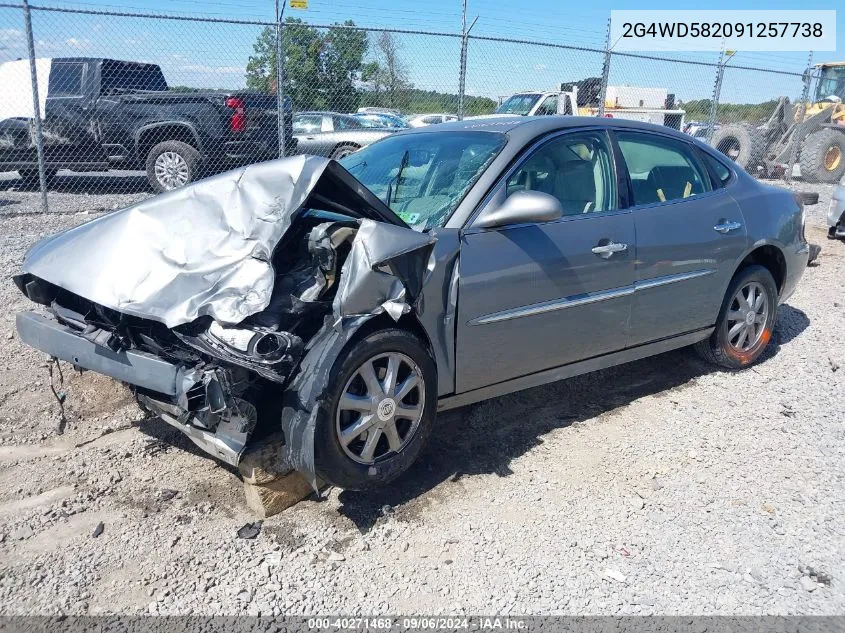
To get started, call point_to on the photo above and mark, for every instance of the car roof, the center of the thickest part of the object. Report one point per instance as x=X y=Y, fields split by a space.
x=524 y=128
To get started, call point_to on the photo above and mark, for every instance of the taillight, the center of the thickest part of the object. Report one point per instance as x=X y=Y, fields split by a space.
x=238 y=121
x=608 y=115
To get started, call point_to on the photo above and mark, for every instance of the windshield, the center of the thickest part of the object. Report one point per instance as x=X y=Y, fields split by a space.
x=518 y=104
x=831 y=83
x=423 y=177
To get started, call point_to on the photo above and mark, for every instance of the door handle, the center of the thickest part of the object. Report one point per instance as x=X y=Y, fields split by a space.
x=727 y=227
x=607 y=250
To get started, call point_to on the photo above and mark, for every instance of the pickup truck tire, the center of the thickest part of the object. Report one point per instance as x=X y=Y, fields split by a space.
x=344 y=150
x=172 y=164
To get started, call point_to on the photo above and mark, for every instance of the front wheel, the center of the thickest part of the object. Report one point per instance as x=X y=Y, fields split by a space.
x=171 y=164
x=746 y=320
x=379 y=411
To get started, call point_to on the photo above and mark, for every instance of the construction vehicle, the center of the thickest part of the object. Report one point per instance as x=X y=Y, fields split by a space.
x=651 y=105
x=816 y=139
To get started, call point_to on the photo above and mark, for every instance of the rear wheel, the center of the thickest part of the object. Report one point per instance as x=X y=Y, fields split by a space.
x=379 y=412
x=746 y=320
x=343 y=151
x=823 y=156
x=171 y=164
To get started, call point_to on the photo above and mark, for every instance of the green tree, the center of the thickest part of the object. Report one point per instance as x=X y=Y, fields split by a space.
x=387 y=73
x=320 y=67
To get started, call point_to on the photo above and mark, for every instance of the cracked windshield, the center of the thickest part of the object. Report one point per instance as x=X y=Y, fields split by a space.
x=423 y=177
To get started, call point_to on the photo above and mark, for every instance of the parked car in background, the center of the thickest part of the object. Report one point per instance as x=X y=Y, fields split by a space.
x=430 y=270
x=101 y=114
x=377 y=110
x=421 y=120
x=390 y=121
x=333 y=134
x=836 y=212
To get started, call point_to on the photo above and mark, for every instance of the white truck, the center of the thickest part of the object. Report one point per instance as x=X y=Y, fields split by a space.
x=651 y=105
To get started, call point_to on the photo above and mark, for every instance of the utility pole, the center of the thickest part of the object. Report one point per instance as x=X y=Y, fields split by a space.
x=36 y=106
x=280 y=77
x=605 y=74
x=462 y=79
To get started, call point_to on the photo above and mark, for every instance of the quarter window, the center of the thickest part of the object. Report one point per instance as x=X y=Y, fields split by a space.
x=66 y=80
x=661 y=168
x=722 y=173
x=574 y=168
x=307 y=124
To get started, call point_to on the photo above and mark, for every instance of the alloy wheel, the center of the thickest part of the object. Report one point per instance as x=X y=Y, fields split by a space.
x=747 y=316
x=171 y=170
x=380 y=407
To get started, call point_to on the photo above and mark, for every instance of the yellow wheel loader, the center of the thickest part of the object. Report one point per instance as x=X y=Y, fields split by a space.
x=818 y=138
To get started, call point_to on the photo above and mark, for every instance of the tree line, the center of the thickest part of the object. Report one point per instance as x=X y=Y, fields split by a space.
x=342 y=69
x=699 y=110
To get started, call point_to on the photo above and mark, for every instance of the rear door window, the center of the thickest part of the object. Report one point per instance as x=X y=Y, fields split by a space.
x=662 y=169
x=720 y=171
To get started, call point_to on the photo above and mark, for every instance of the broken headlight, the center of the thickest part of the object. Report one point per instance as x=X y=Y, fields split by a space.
x=262 y=345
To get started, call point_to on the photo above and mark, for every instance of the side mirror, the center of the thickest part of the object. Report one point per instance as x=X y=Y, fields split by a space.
x=521 y=207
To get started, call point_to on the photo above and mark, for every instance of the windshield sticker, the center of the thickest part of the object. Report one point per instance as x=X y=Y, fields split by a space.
x=409 y=218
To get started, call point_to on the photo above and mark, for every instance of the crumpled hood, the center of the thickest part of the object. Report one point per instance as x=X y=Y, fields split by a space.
x=204 y=249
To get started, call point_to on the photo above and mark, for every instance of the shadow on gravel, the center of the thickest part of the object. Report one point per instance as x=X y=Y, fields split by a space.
x=93 y=184
x=484 y=438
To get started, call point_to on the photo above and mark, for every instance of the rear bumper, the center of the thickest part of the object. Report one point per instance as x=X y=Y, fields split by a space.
x=252 y=150
x=136 y=368
x=796 y=264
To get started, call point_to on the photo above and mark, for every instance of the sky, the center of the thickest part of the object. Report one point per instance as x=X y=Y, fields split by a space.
x=214 y=55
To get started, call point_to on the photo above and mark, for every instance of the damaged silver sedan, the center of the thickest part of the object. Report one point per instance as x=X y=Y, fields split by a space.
x=343 y=304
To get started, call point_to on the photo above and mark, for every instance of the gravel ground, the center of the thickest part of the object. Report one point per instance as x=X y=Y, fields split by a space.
x=659 y=487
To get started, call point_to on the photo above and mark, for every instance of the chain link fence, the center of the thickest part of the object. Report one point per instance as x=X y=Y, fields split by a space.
x=100 y=109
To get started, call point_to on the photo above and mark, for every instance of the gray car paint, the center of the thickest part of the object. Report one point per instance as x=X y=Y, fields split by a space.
x=673 y=278
x=328 y=139
x=566 y=311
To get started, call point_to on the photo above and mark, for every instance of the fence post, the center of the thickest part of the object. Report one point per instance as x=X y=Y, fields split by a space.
x=36 y=106
x=717 y=89
x=802 y=110
x=605 y=73
x=280 y=78
x=462 y=77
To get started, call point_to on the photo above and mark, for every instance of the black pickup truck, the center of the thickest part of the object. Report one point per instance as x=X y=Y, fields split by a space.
x=103 y=114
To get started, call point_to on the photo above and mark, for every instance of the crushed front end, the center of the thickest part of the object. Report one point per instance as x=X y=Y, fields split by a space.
x=214 y=344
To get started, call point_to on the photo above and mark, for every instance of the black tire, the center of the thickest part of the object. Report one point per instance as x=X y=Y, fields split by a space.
x=31 y=180
x=742 y=144
x=717 y=348
x=332 y=463
x=188 y=156
x=823 y=156
x=344 y=150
